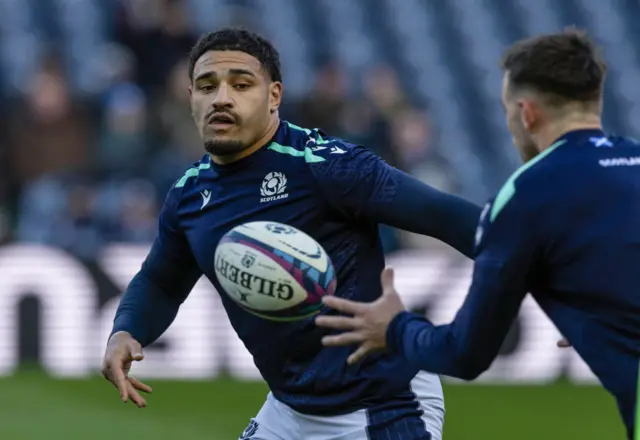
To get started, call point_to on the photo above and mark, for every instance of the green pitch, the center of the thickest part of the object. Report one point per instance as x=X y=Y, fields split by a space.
x=34 y=407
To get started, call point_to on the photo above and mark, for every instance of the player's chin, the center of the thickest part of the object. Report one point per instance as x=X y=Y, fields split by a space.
x=223 y=145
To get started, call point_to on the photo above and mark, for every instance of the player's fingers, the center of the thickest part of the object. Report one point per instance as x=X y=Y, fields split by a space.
x=136 y=398
x=362 y=352
x=139 y=385
x=344 y=305
x=338 y=322
x=386 y=279
x=120 y=380
x=343 y=339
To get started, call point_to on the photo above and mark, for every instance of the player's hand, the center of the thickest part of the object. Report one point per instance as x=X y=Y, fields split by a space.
x=369 y=323
x=121 y=351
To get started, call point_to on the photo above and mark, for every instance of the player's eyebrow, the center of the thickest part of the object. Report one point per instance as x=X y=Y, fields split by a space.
x=238 y=72
x=232 y=72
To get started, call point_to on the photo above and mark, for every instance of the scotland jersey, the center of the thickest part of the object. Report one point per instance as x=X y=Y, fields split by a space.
x=337 y=193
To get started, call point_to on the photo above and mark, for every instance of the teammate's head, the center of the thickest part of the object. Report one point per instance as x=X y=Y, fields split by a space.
x=547 y=79
x=235 y=89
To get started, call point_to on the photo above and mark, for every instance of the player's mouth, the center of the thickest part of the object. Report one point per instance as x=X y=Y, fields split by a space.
x=221 y=121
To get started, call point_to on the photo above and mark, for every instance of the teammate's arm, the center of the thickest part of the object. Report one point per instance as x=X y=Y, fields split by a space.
x=151 y=301
x=363 y=186
x=504 y=267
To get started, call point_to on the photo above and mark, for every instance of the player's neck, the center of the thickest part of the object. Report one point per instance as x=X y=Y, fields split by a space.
x=556 y=130
x=268 y=135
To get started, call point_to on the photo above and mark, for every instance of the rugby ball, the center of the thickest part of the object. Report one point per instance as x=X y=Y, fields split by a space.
x=274 y=271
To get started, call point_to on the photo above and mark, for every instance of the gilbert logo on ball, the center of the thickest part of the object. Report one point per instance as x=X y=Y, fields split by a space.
x=274 y=271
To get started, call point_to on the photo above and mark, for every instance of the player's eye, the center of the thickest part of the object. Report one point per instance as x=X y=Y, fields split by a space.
x=241 y=86
x=206 y=87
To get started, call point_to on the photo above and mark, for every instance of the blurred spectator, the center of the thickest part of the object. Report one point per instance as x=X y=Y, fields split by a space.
x=79 y=231
x=411 y=143
x=128 y=211
x=48 y=133
x=159 y=34
x=60 y=212
x=174 y=113
x=123 y=142
x=138 y=213
x=322 y=107
x=382 y=89
x=179 y=142
x=114 y=65
x=360 y=123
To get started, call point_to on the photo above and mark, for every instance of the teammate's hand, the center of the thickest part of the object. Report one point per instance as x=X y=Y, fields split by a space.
x=121 y=351
x=369 y=323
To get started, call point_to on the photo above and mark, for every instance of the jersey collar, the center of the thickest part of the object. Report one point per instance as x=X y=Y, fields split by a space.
x=580 y=136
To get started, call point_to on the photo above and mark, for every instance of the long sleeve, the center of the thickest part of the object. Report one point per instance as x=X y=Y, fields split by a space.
x=504 y=267
x=169 y=272
x=364 y=187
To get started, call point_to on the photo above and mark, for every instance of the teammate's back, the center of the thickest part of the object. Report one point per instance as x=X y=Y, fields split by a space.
x=589 y=284
x=565 y=227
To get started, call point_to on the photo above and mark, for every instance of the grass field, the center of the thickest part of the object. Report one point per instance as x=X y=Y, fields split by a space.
x=33 y=406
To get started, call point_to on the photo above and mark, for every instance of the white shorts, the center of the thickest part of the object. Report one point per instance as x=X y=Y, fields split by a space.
x=422 y=419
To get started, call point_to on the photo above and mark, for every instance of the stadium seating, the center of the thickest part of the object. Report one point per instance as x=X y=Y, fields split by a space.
x=443 y=53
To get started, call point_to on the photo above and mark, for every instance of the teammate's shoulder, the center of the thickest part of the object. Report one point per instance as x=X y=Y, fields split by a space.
x=192 y=173
x=530 y=181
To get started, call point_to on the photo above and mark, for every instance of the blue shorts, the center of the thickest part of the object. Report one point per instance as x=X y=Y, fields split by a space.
x=421 y=419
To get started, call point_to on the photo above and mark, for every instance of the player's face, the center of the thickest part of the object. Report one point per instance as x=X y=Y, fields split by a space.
x=232 y=100
x=519 y=121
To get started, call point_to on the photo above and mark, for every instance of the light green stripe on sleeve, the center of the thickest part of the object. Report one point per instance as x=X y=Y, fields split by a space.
x=508 y=190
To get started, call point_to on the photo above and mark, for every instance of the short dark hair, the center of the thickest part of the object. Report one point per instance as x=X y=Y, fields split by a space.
x=240 y=39
x=565 y=66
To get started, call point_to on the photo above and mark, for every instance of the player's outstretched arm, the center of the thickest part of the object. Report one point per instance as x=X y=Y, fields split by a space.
x=424 y=210
x=150 y=303
x=363 y=186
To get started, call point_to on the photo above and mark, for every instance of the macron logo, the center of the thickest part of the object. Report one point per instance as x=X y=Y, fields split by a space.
x=206 y=197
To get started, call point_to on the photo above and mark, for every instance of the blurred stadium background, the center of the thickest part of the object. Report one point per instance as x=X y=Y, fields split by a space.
x=96 y=126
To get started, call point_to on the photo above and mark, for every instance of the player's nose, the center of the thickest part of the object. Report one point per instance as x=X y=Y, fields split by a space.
x=222 y=98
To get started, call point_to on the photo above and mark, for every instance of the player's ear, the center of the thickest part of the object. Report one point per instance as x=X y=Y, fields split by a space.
x=527 y=113
x=275 y=95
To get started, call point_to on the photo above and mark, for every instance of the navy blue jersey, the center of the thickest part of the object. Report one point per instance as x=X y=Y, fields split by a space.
x=337 y=193
x=566 y=228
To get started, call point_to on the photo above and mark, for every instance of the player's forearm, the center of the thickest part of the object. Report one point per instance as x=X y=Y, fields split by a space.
x=145 y=310
x=424 y=210
x=434 y=348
